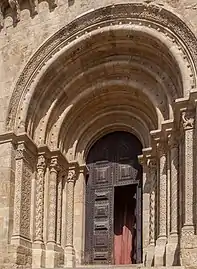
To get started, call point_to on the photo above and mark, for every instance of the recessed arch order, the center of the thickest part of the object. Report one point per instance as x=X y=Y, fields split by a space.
x=147 y=48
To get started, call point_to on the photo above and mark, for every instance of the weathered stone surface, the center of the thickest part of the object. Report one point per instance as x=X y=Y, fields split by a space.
x=71 y=72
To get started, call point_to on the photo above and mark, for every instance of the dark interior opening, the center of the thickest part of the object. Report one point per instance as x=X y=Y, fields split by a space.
x=125 y=225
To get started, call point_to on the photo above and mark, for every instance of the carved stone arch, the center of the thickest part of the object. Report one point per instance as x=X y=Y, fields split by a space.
x=157 y=22
x=90 y=135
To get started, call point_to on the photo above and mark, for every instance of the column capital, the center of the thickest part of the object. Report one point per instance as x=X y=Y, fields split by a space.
x=188 y=119
x=41 y=164
x=71 y=175
x=162 y=148
x=54 y=166
x=173 y=140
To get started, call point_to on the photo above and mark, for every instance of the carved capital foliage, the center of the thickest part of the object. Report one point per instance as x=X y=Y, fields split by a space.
x=188 y=119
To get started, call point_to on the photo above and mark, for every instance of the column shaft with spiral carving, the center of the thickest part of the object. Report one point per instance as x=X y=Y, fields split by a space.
x=53 y=175
x=69 y=250
x=41 y=165
x=188 y=118
x=160 y=250
x=152 y=175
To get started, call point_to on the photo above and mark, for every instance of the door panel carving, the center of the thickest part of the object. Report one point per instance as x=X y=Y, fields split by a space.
x=112 y=161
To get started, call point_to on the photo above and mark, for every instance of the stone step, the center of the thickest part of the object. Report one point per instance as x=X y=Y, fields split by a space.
x=130 y=266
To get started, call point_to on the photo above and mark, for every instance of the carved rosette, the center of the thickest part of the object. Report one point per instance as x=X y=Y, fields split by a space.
x=188 y=121
x=152 y=166
x=71 y=178
x=162 y=150
x=53 y=175
x=41 y=166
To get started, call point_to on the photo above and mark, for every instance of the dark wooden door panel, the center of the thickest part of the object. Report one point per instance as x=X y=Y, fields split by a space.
x=112 y=161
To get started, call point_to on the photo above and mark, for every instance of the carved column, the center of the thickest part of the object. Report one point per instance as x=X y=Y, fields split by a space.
x=69 y=250
x=162 y=233
x=41 y=165
x=188 y=126
x=53 y=175
x=172 y=246
x=152 y=172
x=22 y=198
x=51 y=254
x=38 y=246
x=59 y=207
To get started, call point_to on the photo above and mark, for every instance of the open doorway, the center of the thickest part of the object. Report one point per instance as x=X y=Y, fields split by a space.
x=125 y=224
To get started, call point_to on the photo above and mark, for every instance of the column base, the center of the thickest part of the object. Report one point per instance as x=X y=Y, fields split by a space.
x=150 y=255
x=69 y=257
x=172 y=251
x=51 y=256
x=38 y=255
x=19 y=252
x=188 y=247
x=160 y=252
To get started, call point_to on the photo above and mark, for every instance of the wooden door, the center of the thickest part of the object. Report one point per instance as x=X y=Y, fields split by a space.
x=112 y=161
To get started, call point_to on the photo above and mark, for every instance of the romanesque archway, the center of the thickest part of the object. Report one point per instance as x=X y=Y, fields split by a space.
x=119 y=68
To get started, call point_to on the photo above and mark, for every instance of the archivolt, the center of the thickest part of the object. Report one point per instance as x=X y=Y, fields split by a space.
x=133 y=47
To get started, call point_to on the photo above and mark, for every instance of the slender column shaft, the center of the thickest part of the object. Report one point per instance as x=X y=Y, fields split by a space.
x=163 y=194
x=152 y=175
x=59 y=209
x=52 y=201
x=70 y=207
x=174 y=188
x=188 y=125
x=41 y=165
